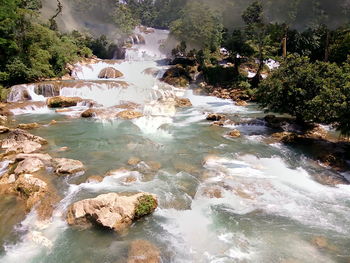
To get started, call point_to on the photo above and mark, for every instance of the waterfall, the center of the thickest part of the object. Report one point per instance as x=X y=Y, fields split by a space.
x=133 y=86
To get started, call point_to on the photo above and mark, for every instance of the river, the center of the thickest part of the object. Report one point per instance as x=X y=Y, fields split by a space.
x=220 y=199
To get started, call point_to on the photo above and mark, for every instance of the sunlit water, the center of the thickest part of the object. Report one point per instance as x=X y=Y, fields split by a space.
x=269 y=208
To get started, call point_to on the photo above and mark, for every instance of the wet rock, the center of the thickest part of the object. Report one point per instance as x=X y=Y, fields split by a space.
x=109 y=73
x=63 y=149
x=18 y=135
x=111 y=210
x=276 y=122
x=151 y=71
x=53 y=122
x=216 y=117
x=146 y=30
x=24 y=147
x=94 y=179
x=44 y=157
x=20 y=141
x=89 y=113
x=61 y=102
x=331 y=180
x=28 y=126
x=316 y=132
x=4 y=129
x=115 y=171
x=3 y=119
x=64 y=166
x=234 y=134
x=129 y=179
x=129 y=115
x=29 y=165
x=285 y=137
x=241 y=103
x=182 y=102
x=36 y=193
x=176 y=76
x=154 y=166
x=212 y=192
x=322 y=243
x=134 y=161
x=142 y=251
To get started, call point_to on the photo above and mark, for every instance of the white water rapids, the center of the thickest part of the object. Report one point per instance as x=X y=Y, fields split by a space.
x=221 y=199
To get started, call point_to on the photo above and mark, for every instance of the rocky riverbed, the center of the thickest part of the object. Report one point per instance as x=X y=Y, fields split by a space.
x=132 y=169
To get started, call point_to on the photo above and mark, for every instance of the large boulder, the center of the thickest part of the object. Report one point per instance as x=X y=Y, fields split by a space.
x=129 y=115
x=36 y=193
x=111 y=210
x=177 y=76
x=89 y=113
x=65 y=166
x=29 y=165
x=20 y=141
x=142 y=251
x=60 y=102
x=110 y=73
x=44 y=157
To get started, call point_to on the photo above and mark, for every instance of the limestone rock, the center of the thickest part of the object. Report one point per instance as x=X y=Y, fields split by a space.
x=94 y=179
x=142 y=251
x=129 y=115
x=89 y=113
x=28 y=126
x=134 y=161
x=109 y=73
x=216 y=117
x=182 y=102
x=286 y=137
x=4 y=129
x=24 y=147
x=111 y=210
x=20 y=141
x=64 y=166
x=60 y=102
x=3 y=119
x=29 y=165
x=241 y=103
x=234 y=134
x=18 y=135
x=44 y=157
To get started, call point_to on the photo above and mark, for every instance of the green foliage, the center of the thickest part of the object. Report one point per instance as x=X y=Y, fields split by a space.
x=198 y=26
x=146 y=205
x=31 y=51
x=313 y=92
x=220 y=75
x=124 y=19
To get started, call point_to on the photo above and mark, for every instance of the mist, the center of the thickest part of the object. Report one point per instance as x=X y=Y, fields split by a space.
x=93 y=17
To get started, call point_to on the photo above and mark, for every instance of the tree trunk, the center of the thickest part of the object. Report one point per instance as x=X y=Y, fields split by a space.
x=284 y=46
x=326 y=51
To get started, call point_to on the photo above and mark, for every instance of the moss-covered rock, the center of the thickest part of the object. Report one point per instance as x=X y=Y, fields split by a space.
x=146 y=205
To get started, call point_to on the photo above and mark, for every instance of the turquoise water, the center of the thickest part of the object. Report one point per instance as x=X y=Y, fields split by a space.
x=220 y=199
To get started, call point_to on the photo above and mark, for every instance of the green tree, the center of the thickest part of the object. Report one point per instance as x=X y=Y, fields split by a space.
x=254 y=19
x=198 y=26
x=312 y=92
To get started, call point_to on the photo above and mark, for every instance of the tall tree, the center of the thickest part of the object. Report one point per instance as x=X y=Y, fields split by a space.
x=254 y=19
